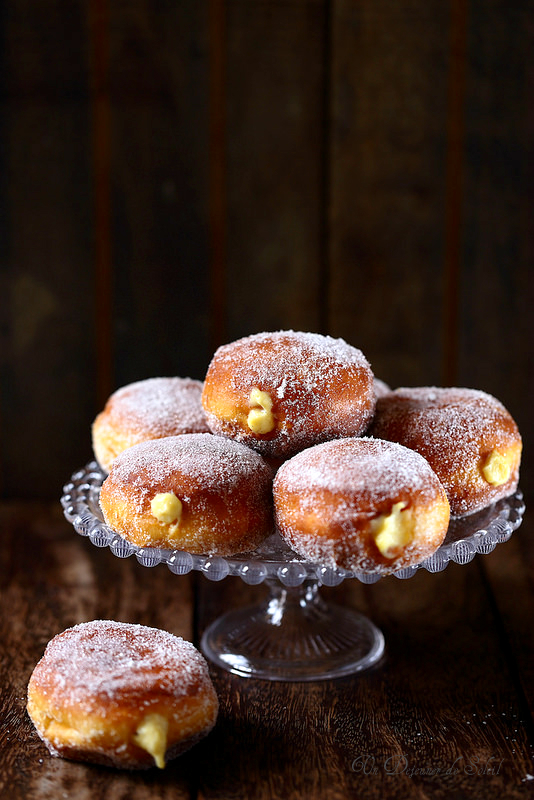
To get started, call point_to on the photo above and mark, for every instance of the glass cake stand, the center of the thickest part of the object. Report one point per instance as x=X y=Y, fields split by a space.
x=295 y=635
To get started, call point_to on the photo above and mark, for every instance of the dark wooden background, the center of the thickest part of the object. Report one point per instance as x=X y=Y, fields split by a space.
x=176 y=174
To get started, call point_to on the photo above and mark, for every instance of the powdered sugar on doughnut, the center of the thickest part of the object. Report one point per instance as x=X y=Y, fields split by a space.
x=381 y=387
x=321 y=388
x=292 y=352
x=364 y=471
x=327 y=496
x=224 y=489
x=158 y=407
x=209 y=462
x=440 y=416
x=454 y=429
x=101 y=663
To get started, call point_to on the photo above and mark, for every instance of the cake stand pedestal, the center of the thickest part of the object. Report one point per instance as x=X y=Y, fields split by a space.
x=295 y=635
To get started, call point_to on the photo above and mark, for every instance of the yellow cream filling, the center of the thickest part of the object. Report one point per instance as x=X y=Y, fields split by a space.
x=392 y=531
x=497 y=467
x=260 y=418
x=151 y=735
x=166 y=507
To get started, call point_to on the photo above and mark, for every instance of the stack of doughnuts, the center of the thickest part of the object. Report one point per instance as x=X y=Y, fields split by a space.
x=289 y=404
x=289 y=429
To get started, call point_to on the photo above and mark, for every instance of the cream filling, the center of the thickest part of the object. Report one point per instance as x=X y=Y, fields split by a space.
x=166 y=507
x=151 y=735
x=392 y=531
x=260 y=418
x=497 y=468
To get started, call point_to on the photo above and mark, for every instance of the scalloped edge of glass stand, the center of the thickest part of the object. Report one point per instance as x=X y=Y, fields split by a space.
x=467 y=536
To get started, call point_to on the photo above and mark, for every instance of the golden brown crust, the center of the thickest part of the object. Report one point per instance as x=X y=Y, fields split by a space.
x=457 y=430
x=98 y=682
x=361 y=504
x=318 y=388
x=224 y=489
x=144 y=410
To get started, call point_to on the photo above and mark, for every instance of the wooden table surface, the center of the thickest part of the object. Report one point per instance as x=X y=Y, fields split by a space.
x=448 y=713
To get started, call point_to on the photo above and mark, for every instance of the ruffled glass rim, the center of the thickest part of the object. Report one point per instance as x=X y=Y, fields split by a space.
x=273 y=559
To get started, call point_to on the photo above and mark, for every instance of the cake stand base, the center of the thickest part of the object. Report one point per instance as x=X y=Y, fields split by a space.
x=293 y=636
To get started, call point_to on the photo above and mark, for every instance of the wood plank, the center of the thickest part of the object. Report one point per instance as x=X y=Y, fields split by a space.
x=275 y=63
x=441 y=716
x=98 y=19
x=50 y=578
x=442 y=707
x=217 y=170
x=511 y=582
x=495 y=325
x=159 y=81
x=47 y=354
x=389 y=89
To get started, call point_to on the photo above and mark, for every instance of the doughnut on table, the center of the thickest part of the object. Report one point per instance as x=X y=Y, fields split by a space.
x=295 y=635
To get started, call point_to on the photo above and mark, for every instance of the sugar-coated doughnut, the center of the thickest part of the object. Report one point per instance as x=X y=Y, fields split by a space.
x=148 y=409
x=281 y=392
x=195 y=492
x=381 y=387
x=467 y=436
x=362 y=504
x=121 y=695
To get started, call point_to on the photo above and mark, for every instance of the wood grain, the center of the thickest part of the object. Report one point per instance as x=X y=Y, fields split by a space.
x=510 y=586
x=159 y=80
x=217 y=170
x=176 y=174
x=47 y=348
x=389 y=76
x=98 y=18
x=495 y=326
x=179 y=174
x=454 y=187
x=51 y=579
x=442 y=715
x=445 y=713
x=274 y=141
